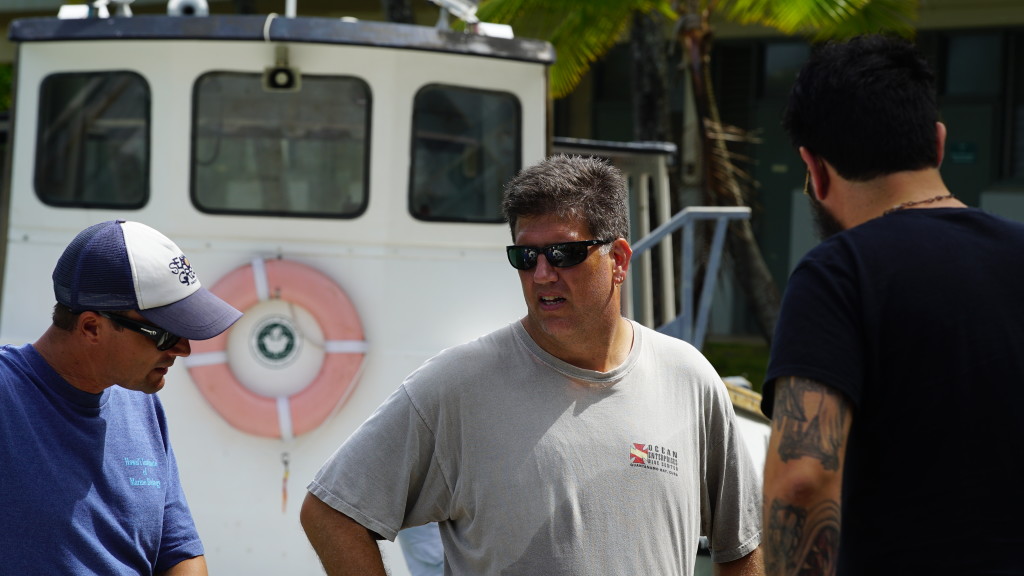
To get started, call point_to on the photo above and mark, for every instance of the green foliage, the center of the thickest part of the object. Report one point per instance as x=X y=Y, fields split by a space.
x=582 y=31
x=826 y=19
x=6 y=85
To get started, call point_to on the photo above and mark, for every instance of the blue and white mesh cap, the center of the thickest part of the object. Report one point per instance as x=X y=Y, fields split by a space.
x=119 y=265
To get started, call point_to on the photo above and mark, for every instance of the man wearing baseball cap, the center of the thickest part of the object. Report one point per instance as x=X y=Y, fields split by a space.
x=89 y=483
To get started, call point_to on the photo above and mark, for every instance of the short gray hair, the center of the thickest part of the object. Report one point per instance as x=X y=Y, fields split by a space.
x=581 y=188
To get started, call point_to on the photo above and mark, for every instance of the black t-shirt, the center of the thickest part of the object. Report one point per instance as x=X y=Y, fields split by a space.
x=918 y=318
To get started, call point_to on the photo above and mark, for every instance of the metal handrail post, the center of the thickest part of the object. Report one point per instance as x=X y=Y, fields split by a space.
x=686 y=282
x=710 y=278
x=686 y=326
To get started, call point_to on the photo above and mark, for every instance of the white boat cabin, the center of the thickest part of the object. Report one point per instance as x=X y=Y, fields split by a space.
x=338 y=180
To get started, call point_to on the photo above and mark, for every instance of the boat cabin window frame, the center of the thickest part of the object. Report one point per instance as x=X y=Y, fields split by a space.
x=457 y=145
x=94 y=140
x=303 y=189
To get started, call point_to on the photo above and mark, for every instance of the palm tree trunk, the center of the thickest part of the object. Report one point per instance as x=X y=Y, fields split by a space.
x=650 y=91
x=721 y=186
x=651 y=118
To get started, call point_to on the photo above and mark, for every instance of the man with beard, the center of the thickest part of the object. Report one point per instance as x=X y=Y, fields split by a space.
x=895 y=373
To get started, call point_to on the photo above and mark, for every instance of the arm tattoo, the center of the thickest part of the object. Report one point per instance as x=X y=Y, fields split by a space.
x=809 y=418
x=802 y=542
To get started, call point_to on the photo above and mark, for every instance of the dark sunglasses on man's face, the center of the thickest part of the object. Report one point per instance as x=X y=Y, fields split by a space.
x=163 y=339
x=561 y=255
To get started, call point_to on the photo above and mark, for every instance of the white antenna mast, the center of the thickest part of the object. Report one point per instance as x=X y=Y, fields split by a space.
x=464 y=10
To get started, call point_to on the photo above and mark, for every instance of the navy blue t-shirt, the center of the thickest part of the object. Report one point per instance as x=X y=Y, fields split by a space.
x=918 y=318
x=88 y=482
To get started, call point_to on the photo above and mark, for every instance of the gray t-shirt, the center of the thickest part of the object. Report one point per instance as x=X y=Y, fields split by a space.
x=533 y=466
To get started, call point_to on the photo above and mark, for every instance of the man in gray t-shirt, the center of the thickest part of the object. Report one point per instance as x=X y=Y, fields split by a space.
x=573 y=441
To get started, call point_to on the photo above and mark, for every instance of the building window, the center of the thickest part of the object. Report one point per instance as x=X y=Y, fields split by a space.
x=261 y=151
x=466 y=145
x=974 y=65
x=92 y=148
x=782 y=63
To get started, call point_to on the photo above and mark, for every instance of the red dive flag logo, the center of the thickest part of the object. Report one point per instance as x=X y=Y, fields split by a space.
x=638 y=454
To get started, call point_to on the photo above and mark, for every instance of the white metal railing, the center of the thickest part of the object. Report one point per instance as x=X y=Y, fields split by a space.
x=687 y=325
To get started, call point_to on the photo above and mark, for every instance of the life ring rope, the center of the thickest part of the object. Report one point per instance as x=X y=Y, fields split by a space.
x=259 y=276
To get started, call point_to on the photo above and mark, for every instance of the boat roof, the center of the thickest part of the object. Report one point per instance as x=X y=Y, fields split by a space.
x=273 y=28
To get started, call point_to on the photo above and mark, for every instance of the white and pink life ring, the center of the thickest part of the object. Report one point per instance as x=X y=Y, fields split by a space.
x=292 y=358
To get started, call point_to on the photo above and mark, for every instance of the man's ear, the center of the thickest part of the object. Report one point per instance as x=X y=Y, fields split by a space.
x=622 y=255
x=940 y=142
x=818 y=174
x=89 y=325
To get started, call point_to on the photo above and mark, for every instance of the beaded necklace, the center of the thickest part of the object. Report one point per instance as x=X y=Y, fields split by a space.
x=916 y=202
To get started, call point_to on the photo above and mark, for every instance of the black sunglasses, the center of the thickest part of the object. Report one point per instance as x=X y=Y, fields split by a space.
x=561 y=255
x=163 y=339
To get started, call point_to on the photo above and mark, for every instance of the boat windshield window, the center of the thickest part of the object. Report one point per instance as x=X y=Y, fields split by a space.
x=92 y=148
x=466 y=145
x=297 y=152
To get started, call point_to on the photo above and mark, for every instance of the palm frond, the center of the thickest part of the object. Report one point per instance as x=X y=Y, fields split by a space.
x=790 y=16
x=731 y=179
x=822 y=19
x=893 y=16
x=581 y=39
x=581 y=31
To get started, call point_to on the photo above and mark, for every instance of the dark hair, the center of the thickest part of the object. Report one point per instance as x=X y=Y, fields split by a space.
x=581 y=188
x=867 y=106
x=64 y=318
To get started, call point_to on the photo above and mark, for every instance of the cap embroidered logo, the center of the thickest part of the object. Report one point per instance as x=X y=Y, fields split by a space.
x=183 y=269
